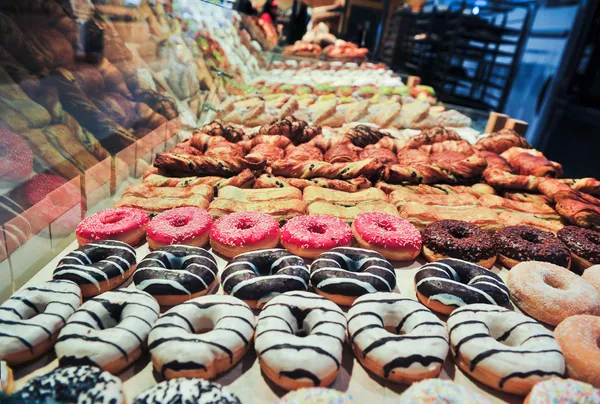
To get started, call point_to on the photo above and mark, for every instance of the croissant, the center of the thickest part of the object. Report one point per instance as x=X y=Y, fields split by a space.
x=384 y=156
x=303 y=152
x=412 y=157
x=342 y=154
x=422 y=215
x=313 y=169
x=503 y=179
x=392 y=144
x=524 y=197
x=228 y=150
x=160 y=204
x=296 y=130
x=281 y=210
x=494 y=161
x=325 y=143
x=313 y=194
x=501 y=204
x=352 y=185
x=275 y=140
x=586 y=185
x=458 y=146
x=578 y=208
x=510 y=218
x=439 y=189
x=259 y=195
x=202 y=141
x=204 y=165
x=185 y=148
x=349 y=213
x=432 y=135
x=145 y=190
x=363 y=135
x=401 y=197
x=531 y=162
x=268 y=152
x=499 y=142
x=441 y=172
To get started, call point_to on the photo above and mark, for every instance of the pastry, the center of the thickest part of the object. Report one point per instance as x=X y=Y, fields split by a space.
x=259 y=195
x=317 y=194
x=578 y=339
x=162 y=203
x=281 y=210
x=352 y=185
x=310 y=236
x=182 y=390
x=349 y=214
x=123 y=224
x=188 y=226
x=242 y=232
x=422 y=215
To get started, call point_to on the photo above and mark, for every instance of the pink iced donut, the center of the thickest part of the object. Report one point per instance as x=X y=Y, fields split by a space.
x=16 y=158
x=189 y=226
x=241 y=232
x=310 y=236
x=122 y=224
x=391 y=236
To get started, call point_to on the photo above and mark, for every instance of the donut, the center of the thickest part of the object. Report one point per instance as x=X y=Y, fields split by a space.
x=188 y=226
x=31 y=319
x=440 y=391
x=592 y=275
x=516 y=244
x=317 y=395
x=16 y=158
x=578 y=337
x=257 y=276
x=123 y=224
x=503 y=349
x=564 y=391
x=97 y=267
x=15 y=229
x=76 y=384
x=447 y=284
x=584 y=245
x=241 y=232
x=414 y=350
x=345 y=273
x=183 y=391
x=391 y=236
x=7 y=382
x=309 y=236
x=108 y=331
x=180 y=347
x=550 y=293
x=176 y=273
x=458 y=239
x=291 y=360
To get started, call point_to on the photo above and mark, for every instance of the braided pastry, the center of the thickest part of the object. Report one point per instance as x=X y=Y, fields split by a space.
x=205 y=165
x=314 y=169
x=218 y=128
x=578 y=208
x=456 y=146
x=499 y=142
x=392 y=144
x=296 y=130
x=451 y=172
x=432 y=135
x=363 y=135
x=499 y=174
x=439 y=189
x=202 y=141
x=352 y=185
x=525 y=197
x=531 y=162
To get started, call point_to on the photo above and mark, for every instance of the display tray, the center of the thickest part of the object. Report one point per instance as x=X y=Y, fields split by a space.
x=246 y=380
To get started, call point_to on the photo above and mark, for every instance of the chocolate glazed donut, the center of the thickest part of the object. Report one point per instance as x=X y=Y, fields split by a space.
x=257 y=276
x=345 y=273
x=458 y=239
x=450 y=283
x=516 y=244
x=584 y=245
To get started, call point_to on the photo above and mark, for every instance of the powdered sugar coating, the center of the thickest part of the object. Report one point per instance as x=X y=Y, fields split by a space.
x=112 y=222
x=243 y=228
x=387 y=231
x=178 y=225
x=567 y=391
x=316 y=232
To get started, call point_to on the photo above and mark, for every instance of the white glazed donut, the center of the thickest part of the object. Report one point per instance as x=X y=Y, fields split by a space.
x=108 y=331
x=292 y=361
x=179 y=350
x=31 y=319
x=504 y=349
x=440 y=391
x=180 y=391
x=415 y=351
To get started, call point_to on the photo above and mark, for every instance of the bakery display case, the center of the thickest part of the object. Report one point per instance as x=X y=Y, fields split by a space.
x=187 y=208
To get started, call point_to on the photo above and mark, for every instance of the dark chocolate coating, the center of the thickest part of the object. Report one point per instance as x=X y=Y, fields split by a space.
x=459 y=239
x=526 y=243
x=582 y=242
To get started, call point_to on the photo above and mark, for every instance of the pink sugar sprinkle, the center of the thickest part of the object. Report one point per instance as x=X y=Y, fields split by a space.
x=316 y=232
x=179 y=225
x=388 y=231
x=243 y=228
x=112 y=221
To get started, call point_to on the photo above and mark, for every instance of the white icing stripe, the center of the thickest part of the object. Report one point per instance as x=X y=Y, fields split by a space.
x=81 y=274
x=247 y=282
x=337 y=281
x=434 y=264
x=155 y=259
x=74 y=258
x=251 y=265
x=175 y=285
x=280 y=259
x=325 y=259
x=259 y=252
x=205 y=267
x=189 y=257
x=431 y=278
x=472 y=281
x=496 y=286
x=366 y=274
x=115 y=264
x=110 y=247
x=176 y=271
x=84 y=268
x=84 y=255
x=243 y=271
x=385 y=269
x=302 y=267
x=123 y=260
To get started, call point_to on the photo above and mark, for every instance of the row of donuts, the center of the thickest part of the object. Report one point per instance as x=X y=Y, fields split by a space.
x=299 y=336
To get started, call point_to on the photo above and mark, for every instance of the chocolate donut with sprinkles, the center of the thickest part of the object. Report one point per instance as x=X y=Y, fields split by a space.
x=258 y=276
x=299 y=340
x=32 y=318
x=202 y=337
x=184 y=391
x=450 y=283
x=176 y=273
x=415 y=350
x=503 y=349
x=98 y=267
x=83 y=384
x=584 y=245
x=345 y=273
x=108 y=331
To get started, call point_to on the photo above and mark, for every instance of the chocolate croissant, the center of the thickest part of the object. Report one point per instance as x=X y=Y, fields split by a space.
x=531 y=162
x=205 y=165
x=296 y=130
x=363 y=135
x=578 y=208
x=314 y=169
x=351 y=185
x=432 y=135
x=229 y=132
x=449 y=172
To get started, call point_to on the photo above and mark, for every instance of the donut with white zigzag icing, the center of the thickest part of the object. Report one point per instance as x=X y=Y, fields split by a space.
x=257 y=276
x=176 y=273
x=447 y=284
x=98 y=267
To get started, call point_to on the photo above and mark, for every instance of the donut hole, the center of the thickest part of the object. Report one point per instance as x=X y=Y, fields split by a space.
x=531 y=237
x=245 y=224
x=317 y=228
x=301 y=332
x=112 y=218
x=385 y=225
x=205 y=325
x=460 y=232
x=180 y=221
x=392 y=329
x=555 y=283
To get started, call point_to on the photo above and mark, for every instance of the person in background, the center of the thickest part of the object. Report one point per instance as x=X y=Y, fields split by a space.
x=246 y=7
x=299 y=19
x=269 y=12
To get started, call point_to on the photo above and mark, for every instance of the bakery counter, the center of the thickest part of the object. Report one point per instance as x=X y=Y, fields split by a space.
x=246 y=379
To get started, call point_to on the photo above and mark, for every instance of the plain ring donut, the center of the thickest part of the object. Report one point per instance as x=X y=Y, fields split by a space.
x=257 y=276
x=32 y=318
x=180 y=348
x=292 y=361
x=108 y=331
x=415 y=351
x=503 y=349
x=550 y=293
x=450 y=283
x=97 y=267
x=176 y=273
x=345 y=273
